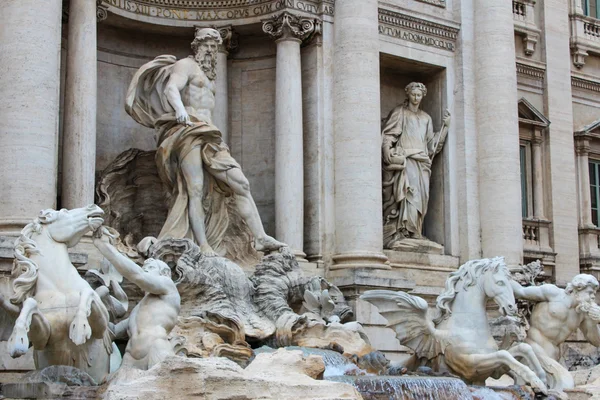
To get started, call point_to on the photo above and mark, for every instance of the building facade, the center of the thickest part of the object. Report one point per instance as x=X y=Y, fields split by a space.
x=519 y=175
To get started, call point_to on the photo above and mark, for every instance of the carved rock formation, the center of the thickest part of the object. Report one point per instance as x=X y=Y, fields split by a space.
x=281 y=375
x=136 y=204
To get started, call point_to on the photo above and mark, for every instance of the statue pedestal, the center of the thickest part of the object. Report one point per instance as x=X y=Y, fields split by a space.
x=429 y=271
x=418 y=246
x=420 y=273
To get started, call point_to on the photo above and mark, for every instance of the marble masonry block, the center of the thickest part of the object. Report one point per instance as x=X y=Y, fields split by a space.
x=428 y=271
x=354 y=281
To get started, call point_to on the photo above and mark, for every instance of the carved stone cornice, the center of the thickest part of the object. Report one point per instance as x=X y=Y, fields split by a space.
x=585 y=84
x=287 y=26
x=215 y=12
x=531 y=71
x=417 y=30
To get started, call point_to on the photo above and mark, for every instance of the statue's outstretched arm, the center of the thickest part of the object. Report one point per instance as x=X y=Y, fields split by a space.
x=535 y=293
x=591 y=331
x=147 y=282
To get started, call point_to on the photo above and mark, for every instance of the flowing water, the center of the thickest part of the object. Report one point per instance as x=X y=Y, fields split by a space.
x=407 y=387
x=338 y=368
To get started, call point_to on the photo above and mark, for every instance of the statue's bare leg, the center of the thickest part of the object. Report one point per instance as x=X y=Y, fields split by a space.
x=525 y=352
x=30 y=325
x=91 y=318
x=246 y=206
x=193 y=173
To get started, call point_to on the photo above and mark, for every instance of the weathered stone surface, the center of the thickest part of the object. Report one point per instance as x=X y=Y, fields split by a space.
x=282 y=375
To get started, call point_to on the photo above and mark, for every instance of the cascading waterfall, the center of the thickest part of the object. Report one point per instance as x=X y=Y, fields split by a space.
x=407 y=387
x=376 y=387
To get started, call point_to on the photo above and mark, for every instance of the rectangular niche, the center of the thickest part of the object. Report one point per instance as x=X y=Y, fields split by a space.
x=395 y=74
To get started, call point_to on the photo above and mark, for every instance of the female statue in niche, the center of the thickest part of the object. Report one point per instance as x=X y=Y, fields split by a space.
x=409 y=145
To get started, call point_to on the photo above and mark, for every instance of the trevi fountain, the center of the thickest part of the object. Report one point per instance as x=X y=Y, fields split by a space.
x=283 y=199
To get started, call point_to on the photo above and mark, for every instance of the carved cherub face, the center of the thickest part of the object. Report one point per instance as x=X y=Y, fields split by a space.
x=415 y=96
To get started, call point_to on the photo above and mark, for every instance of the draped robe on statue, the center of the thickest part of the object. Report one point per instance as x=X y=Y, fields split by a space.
x=149 y=106
x=406 y=190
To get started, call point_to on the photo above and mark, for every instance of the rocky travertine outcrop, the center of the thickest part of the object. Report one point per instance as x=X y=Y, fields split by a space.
x=279 y=376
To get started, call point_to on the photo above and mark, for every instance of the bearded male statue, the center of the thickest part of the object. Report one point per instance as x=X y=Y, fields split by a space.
x=556 y=315
x=177 y=98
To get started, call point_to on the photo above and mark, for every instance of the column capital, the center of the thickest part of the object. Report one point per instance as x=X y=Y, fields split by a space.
x=582 y=146
x=287 y=26
x=230 y=39
x=101 y=11
x=538 y=135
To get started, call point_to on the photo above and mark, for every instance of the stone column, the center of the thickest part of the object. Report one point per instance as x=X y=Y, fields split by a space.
x=497 y=131
x=562 y=210
x=357 y=126
x=582 y=149
x=29 y=100
x=221 y=113
x=289 y=31
x=538 y=176
x=79 y=133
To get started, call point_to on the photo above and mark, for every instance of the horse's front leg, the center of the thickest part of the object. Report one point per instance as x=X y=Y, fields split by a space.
x=30 y=325
x=82 y=328
x=524 y=351
x=492 y=361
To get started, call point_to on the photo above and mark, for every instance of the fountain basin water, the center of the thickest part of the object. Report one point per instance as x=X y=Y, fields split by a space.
x=407 y=387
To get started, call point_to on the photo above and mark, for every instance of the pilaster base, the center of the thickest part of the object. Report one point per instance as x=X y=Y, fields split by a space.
x=369 y=260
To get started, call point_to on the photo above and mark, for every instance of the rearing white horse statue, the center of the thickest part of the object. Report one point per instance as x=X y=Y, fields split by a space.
x=457 y=331
x=59 y=313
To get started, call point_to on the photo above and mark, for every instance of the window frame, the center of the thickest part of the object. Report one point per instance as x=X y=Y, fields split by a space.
x=527 y=169
x=594 y=189
x=586 y=6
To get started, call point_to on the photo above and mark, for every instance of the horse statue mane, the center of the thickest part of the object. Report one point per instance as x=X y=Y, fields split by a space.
x=468 y=273
x=25 y=269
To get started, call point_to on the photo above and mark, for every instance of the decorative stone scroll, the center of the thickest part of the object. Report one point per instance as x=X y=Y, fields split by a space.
x=286 y=25
x=101 y=10
x=230 y=39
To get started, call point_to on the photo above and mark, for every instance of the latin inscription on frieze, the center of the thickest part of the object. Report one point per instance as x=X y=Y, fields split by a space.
x=416 y=37
x=221 y=14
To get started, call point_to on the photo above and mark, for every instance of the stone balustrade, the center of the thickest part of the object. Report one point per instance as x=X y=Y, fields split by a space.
x=536 y=241
x=519 y=10
x=585 y=37
x=525 y=26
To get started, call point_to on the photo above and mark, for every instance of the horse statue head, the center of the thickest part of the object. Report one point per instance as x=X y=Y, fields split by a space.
x=69 y=226
x=63 y=226
x=490 y=275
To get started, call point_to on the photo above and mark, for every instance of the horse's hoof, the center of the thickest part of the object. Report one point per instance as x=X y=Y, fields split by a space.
x=538 y=386
x=80 y=330
x=18 y=343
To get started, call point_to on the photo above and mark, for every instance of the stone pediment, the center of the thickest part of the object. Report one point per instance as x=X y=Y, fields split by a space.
x=530 y=115
x=590 y=130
